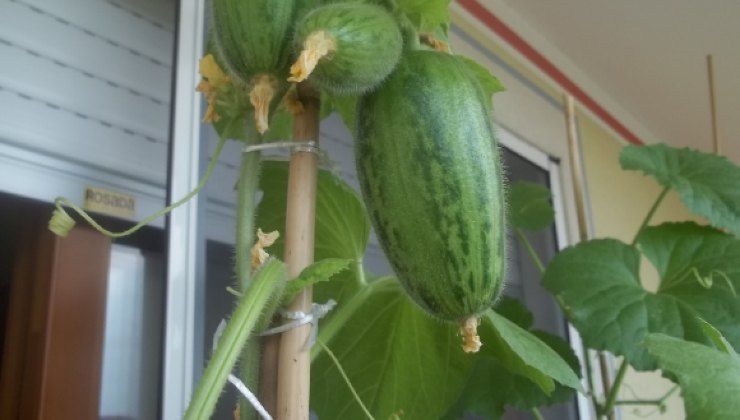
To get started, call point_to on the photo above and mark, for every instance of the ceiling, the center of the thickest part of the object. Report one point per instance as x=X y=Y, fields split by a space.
x=649 y=58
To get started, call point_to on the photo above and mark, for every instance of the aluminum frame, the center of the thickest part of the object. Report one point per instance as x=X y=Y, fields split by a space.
x=179 y=344
x=538 y=157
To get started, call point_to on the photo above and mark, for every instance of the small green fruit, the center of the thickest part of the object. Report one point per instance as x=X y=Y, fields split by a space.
x=346 y=48
x=253 y=39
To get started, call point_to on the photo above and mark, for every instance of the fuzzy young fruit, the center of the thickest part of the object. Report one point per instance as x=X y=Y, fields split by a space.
x=430 y=173
x=253 y=39
x=346 y=48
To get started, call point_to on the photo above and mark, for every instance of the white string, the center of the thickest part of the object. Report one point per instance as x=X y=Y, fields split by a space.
x=297 y=146
x=250 y=397
x=299 y=318
x=236 y=381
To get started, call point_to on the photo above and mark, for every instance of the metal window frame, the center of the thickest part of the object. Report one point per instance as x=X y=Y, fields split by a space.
x=179 y=344
x=541 y=159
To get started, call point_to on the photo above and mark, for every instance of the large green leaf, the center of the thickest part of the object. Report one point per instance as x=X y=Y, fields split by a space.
x=494 y=382
x=700 y=267
x=529 y=206
x=598 y=282
x=709 y=379
x=396 y=356
x=515 y=311
x=400 y=359
x=342 y=226
x=709 y=185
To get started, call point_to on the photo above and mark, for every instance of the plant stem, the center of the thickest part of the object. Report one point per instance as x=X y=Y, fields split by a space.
x=612 y=397
x=586 y=357
x=344 y=312
x=659 y=401
x=536 y=413
x=59 y=202
x=530 y=250
x=589 y=375
x=265 y=288
x=346 y=379
x=359 y=273
x=650 y=214
x=249 y=364
x=249 y=177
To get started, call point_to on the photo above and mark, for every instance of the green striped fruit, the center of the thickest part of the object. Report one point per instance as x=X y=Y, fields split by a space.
x=253 y=38
x=346 y=48
x=430 y=172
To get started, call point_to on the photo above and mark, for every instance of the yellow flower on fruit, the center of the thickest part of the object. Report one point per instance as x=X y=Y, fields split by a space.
x=214 y=78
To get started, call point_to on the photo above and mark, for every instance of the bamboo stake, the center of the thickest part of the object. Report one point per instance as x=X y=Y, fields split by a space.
x=294 y=358
x=270 y=346
x=584 y=231
x=713 y=104
x=576 y=168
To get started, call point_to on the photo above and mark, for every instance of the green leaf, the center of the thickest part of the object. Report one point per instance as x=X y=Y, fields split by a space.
x=234 y=111
x=319 y=271
x=709 y=379
x=529 y=206
x=709 y=185
x=716 y=337
x=345 y=106
x=599 y=284
x=494 y=383
x=515 y=311
x=396 y=356
x=426 y=15
x=680 y=252
x=488 y=82
x=525 y=354
x=281 y=126
x=342 y=226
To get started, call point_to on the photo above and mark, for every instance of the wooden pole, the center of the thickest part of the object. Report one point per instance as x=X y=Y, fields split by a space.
x=270 y=346
x=713 y=104
x=579 y=188
x=294 y=357
x=576 y=169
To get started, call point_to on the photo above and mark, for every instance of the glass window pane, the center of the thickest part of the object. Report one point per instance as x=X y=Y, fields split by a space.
x=85 y=94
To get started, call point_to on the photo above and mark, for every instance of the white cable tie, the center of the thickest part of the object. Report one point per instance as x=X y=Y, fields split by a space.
x=250 y=397
x=299 y=146
x=236 y=381
x=299 y=318
x=296 y=146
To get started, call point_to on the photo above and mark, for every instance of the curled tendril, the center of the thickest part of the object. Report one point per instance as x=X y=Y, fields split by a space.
x=61 y=222
x=708 y=280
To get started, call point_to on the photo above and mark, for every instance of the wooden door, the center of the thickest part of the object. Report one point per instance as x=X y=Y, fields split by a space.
x=52 y=353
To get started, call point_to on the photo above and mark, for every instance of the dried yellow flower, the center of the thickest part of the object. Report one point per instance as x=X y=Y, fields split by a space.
x=214 y=78
x=264 y=240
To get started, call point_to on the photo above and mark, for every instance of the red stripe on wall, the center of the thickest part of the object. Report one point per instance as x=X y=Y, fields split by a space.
x=512 y=38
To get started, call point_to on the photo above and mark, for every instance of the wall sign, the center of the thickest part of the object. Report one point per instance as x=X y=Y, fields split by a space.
x=109 y=202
